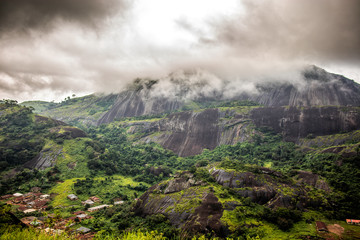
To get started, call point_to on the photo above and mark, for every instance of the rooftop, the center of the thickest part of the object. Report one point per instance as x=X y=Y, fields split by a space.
x=83 y=229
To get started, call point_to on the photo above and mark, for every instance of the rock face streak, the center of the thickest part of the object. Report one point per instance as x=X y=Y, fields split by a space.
x=188 y=133
x=297 y=122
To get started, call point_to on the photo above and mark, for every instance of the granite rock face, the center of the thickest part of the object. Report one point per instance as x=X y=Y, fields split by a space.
x=138 y=103
x=189 y=133
x=298 y=122
x=48 y=156
x=318 y=88
x=323 y=104
x=196 y=204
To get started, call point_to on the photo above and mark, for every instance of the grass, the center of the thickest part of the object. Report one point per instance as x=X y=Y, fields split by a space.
x=133 y=235
x=117 y=182
x=63 y=190
x=29 y=233
x=75 y=152
x=81 y=111
x=332 y=140
x=39 y=106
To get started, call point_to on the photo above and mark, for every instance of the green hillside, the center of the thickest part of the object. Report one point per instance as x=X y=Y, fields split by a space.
x=261 y=188
x=80 y=111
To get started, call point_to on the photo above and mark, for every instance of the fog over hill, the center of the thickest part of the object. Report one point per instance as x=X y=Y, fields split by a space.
x=312 y=86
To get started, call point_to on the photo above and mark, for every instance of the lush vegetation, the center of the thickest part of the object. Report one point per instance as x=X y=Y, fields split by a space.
x=109 y=163
x=72 y=110
x=146 y=162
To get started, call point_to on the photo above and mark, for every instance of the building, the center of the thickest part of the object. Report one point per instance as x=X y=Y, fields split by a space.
x=321 y=227
x=45 y=196
x=118 y=202
x=83 y=216
x=83 y=229
x=72 y=197
x=17 y=194
x=39 y=204
x=90 y=202
x=31 y=210
x=93 y=209
x=353 y=221
x=78 y=212
x=22 y=209
x=94 y=199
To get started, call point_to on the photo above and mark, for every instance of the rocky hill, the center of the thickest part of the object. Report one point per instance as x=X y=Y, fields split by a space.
x=191 y=113
x=199 y=206
x=28 y=140
x=318 y=88
x=190 y=132
x=197 y=89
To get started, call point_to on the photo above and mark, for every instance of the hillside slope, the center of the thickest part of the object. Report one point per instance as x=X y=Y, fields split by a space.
x=36 y=142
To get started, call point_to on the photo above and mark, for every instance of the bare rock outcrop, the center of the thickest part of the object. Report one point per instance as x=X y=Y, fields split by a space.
x=269 y=188
x=185 y=204
x=46 y=158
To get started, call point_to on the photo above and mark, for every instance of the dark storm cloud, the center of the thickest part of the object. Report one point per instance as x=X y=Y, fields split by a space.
x=24 y=15
x=83 y=46
x=322 y=30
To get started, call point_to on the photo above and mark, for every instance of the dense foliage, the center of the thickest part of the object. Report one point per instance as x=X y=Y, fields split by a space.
x=21 y=139
x=109 y=151
x=147 y=162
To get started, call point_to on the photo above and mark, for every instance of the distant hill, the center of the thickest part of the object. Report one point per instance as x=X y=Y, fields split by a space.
x=193 y=90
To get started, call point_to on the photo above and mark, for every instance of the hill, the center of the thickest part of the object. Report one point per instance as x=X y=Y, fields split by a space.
x=185 y=158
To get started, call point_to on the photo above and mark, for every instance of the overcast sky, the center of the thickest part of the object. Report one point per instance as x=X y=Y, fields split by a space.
x=50 y=49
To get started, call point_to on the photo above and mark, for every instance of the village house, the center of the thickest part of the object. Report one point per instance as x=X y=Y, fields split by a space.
x=45 y=196
x=78 y=212
x=321 y=227
x=31 y=210
x=94 y=199
x=83 y=216
x=118 y=202
x=90 y=202
x=83 y=229
x=22 y=208
x=72 y=197
x=39 y=204
x=93 y=209
x=353 y=221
